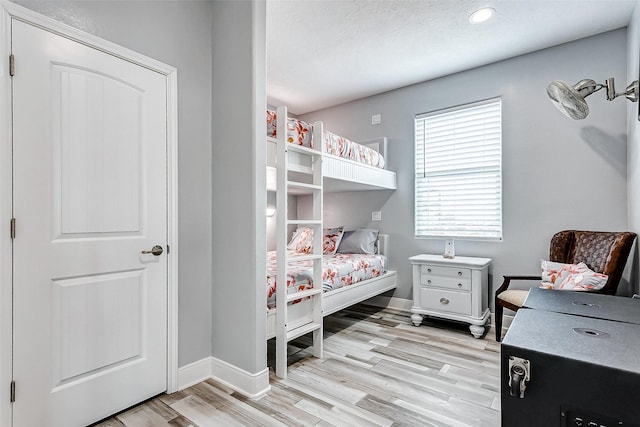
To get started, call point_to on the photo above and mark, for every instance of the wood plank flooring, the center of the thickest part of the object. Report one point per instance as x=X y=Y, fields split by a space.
x=378 y=370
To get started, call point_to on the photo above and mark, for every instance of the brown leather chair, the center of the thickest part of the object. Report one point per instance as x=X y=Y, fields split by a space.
x=603 y=252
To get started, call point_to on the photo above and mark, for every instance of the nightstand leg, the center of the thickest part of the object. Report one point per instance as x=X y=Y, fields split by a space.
x=416 y=319
x=476 y=330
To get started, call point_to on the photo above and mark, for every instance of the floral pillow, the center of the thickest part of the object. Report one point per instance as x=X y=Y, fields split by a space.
x=271 y=123
x=331 y=240
x=572 y=277
x=299 y=133
x=302 y=240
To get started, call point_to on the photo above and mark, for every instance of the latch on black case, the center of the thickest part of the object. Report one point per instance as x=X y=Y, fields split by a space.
x=519 y=374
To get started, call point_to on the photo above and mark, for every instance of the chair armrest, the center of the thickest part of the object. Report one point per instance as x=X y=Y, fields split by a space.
x=508 y=279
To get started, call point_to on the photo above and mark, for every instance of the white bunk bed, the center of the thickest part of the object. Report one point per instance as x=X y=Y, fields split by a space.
x=295 y=176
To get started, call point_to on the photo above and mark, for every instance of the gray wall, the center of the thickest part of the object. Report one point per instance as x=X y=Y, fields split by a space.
x=239 y=184
x=292 y=205
x=557 y=173
x=179 y=34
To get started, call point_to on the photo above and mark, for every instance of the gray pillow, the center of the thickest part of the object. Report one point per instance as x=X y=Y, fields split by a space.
x=361 y=241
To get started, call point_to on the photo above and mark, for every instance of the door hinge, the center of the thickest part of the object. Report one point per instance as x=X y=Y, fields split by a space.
x=13 y=228
x=168 y=250
x=13 y=391
x=12 y=65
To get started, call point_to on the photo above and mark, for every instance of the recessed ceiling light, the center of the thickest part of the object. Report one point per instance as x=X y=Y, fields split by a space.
x=482 y=15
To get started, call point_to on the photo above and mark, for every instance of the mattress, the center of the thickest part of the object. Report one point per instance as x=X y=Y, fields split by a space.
x=301 y=133
x=338 y=271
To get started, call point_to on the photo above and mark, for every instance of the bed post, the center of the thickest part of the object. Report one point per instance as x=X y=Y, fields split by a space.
x=281 y=242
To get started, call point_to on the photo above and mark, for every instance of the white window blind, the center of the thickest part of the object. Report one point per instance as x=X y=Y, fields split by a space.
x=458 y=188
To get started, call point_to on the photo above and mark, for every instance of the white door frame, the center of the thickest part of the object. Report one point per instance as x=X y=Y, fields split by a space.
x=9 y=11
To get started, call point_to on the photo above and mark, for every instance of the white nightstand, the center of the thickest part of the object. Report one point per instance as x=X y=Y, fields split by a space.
x=455 y=289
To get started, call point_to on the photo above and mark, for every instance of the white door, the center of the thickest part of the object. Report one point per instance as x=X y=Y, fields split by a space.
x=90 y=309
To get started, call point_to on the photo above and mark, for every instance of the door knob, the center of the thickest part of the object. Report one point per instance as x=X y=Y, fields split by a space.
x=156 y=250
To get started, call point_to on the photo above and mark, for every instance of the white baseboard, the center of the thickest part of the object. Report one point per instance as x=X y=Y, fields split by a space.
x=194 y=373
x=253 y=386
x=390 y=302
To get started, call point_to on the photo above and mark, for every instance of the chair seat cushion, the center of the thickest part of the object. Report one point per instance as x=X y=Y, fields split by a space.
x=514 y=296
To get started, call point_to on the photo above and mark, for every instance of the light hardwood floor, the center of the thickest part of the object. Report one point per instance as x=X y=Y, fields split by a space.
x=378 y=370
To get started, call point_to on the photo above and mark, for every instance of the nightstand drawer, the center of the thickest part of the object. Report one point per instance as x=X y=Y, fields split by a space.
x=444 y=277
x=434 y=270
x=443 y=300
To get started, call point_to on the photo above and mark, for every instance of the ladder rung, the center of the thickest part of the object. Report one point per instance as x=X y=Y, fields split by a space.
x=295 y=258
x=303 y=294
x=304 y=222
x=301 y=330
x=297 y=184
x=304 y=150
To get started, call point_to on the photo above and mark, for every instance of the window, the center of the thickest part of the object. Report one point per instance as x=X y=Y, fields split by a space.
x=458 y=188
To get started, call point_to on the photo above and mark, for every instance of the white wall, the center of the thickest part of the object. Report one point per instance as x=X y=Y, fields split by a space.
x=633 y=161
x=179 y=34
x=557 y=173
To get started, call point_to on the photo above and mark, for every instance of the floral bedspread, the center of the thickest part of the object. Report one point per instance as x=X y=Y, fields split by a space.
x=301 y=133
x=342 y=147
x=337 y=271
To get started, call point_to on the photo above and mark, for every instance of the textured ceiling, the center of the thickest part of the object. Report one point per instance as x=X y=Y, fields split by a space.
x=325 y=52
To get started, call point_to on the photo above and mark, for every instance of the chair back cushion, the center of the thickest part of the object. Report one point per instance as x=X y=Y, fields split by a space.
x=602 y=251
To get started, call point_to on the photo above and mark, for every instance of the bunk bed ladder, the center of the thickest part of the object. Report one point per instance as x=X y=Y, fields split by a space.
x=286 y=330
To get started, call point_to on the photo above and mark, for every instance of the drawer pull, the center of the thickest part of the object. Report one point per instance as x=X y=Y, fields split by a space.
x=444 y=301
x=429 y=281
x=428 y=270
x=459 y=273
x=459 y=285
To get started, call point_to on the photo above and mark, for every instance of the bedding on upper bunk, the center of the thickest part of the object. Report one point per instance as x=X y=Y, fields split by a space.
x=301 y=133
x=338 y=270
x=298 y=132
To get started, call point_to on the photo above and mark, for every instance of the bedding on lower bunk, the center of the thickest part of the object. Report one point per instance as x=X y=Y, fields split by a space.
x=301 y=133
x=338 y=270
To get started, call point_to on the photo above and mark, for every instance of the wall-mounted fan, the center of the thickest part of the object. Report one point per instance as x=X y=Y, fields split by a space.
x=570 y=100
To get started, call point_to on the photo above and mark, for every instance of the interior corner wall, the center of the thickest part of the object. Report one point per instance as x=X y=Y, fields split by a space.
x=633 y=145
x=239 y=184
x=177 y=33
x=558 y=173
